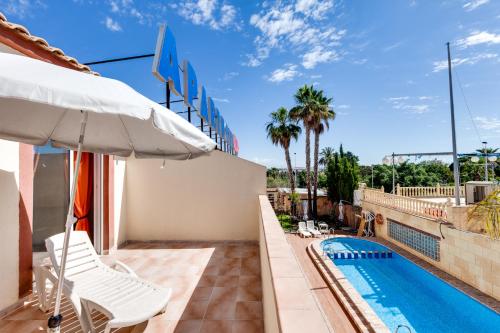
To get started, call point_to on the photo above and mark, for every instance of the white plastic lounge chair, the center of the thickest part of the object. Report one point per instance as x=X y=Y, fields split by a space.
x=91 y=285
x=303 y=230
x=312 y=229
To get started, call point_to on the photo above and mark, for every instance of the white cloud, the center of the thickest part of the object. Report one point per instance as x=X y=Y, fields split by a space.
x=217 y=16
x=407 y=104
x=112 y=25
x=471 y=5
x=221 y=100
x=297 y=26
x=252 y=61
x=287 y=73
x=344 y=106
x=360 y=61
x=316 y=76
x=392 y=46
x=128 y=8
x=478 y=37
x=318 y=55
x=396 y=99
x=230 y=75
x=19 y=8
x=443 y=64
x=486 y=123
x=314 y=8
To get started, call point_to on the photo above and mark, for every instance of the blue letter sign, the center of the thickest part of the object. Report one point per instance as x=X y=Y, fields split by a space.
x=221 y=127
x=213 y=113
x=190 y=85
x=203 y=106
x=165 y=64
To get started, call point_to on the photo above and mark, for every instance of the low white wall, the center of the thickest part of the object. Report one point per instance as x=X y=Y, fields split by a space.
x=213 y=197
x=9 y=223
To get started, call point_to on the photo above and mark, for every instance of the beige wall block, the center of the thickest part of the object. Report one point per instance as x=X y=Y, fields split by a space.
x=213 y=197
x=9 y=223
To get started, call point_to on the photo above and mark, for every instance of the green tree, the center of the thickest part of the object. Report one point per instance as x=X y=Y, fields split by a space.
x=277 y=178
x=342 y=175
x=325 y=155
x=281 y=130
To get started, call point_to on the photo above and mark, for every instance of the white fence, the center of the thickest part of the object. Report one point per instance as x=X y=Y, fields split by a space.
x=406 y=204
x=429 y=192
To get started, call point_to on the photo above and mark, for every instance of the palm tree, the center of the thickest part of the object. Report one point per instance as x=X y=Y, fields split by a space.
x=325 y=155
x=281 y=130
x=304 y=112
x=323 y=113
x=488 y=150
x=488 y=212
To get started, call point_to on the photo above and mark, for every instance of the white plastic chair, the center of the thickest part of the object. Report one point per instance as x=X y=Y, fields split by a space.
x=303 y=230
x=123 y=297
x=312 y=229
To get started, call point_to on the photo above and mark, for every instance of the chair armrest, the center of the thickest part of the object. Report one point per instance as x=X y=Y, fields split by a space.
x=118 y=264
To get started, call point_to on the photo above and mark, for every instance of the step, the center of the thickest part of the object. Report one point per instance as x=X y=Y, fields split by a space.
x=360 y=254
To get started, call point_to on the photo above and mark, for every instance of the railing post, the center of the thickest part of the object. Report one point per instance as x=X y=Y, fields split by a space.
x=398 y=190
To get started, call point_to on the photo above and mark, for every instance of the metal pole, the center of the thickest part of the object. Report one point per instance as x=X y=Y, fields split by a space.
x=393 y=175
x=201 y=124
x=485 y=150
x=55 y=320
x=372 y=175
x=119 y=59
x=189 y=113
x=168 y=96
x=456 y=170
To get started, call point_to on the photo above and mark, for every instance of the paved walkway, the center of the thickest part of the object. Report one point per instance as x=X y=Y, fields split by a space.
x=337 y=318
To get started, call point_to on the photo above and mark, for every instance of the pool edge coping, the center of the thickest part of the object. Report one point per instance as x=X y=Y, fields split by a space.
x=362 y=314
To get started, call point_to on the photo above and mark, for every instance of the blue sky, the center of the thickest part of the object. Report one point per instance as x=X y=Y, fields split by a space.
x=380 y=61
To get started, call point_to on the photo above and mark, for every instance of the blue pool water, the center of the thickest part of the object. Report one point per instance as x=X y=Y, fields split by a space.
x=401 y=292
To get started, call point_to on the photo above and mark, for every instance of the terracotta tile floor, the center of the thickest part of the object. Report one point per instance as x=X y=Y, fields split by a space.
x=216 y=288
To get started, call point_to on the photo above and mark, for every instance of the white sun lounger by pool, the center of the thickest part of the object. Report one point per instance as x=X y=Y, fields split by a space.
x=303 y=230
x=122 y=297
x=312 y=229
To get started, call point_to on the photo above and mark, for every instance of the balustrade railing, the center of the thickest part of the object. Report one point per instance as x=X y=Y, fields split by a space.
x=437 y=191
x=407 y=204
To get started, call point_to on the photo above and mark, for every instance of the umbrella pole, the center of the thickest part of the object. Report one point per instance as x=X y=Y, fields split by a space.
x=54 y=323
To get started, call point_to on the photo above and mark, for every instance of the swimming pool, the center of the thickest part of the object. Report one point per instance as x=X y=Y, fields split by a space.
x=401 y=292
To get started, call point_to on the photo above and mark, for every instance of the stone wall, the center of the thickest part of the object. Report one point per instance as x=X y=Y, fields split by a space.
x=473 y=258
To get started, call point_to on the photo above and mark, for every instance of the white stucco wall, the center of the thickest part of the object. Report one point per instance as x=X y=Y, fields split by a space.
x=120 y=202
x=9 y=223
x=213 y=197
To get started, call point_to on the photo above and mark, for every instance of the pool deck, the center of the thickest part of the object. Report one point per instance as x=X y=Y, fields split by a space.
x=332 y=308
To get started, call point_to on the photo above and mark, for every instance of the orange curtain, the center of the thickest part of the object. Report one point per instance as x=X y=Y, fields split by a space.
x=84 y=195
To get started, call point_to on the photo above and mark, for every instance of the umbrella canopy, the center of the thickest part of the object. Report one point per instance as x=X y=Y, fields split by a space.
x=38 y=101
x=41 y=102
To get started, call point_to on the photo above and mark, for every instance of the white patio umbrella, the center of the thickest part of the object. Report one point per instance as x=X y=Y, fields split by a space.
x=41 y=102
